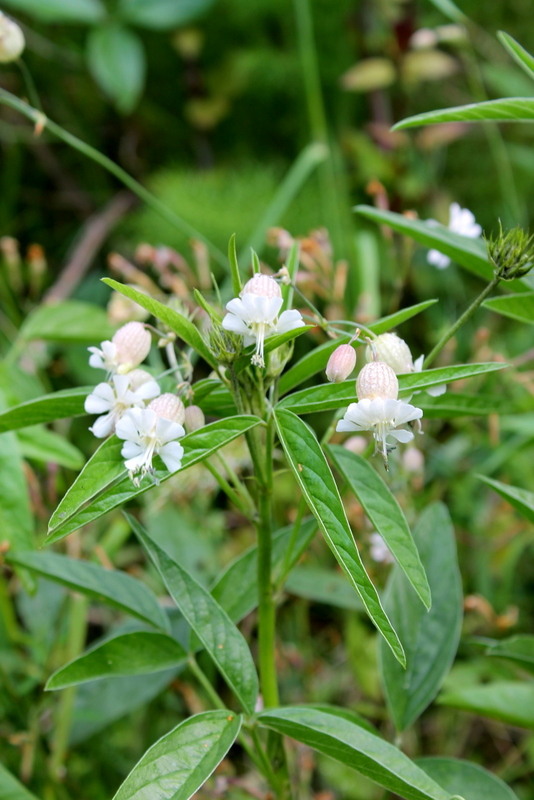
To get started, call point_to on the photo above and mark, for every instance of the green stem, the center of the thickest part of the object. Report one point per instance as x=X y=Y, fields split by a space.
x=459 y=322
x=227 y=489
x=30 y=84
x=160 y=208
x=238 y=485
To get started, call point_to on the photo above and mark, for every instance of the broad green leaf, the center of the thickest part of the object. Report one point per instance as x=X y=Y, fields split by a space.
x=465 y=779
x=270 y=344
x=116 y=60
x=183 y=327
x=236 y=589
x=416 y=381
x=162 y=14
x=453 y=404
x=508 y=701
x=322 y=586
x=520 y=499
x=518 y=53
x=317 y=359
x=68 y=321
x=49 y=407
x=16 y=519
x=80 y=11
x=517 y=306
x=112 y=587
x=518 y=648
x=214 y=628
x=214 y=398
x=318 y=486
x=136 y=653
x=383 y=510
x=40 y=444
x=511 y=109
x=430 y=640
x=356 y=747
x=198 y=446
x=11 y=788
x=182 y=760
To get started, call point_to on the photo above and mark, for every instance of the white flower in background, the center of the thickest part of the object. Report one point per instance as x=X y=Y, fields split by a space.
x=113 y=399
x=11 y=40
x=461 y=221
x=378 y=409
x=152 y=431
x=127 y=349
x=394 y=351
x=379 y=550
x=255 y=315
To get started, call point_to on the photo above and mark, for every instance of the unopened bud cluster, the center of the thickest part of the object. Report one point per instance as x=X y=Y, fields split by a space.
x=511 y=253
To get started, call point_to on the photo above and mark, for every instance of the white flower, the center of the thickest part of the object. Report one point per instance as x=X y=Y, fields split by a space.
x=128 y=348
x=256 y=314
x=379 y=550
x=434 y=391
x=461 y=221
x=113 y=400
x=394 y=351
x=11 y=40
x=382 y=416
x=147 y=434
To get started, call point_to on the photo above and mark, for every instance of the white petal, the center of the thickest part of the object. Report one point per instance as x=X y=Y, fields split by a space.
x=100 y=401
x=103 y=426
x=171 y=455
x=126 y=427
x=436 y=391
x=401 y=435
x=167 y=430
x=147 y=391
x=131 y=449
x=133 y=464
x=237 y=308
x=438 y=259
x=122 y=384
x=95 y=360
x=346 y=426
x=289 y=320
x=418 y=364
x=406 y=413
x=233 y=323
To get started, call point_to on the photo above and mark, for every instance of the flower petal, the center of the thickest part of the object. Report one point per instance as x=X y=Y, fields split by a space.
x=103 y=426
x=171 y=455
x=167 y=430
x=401 y=435
x=288 y=321
x=233 y=323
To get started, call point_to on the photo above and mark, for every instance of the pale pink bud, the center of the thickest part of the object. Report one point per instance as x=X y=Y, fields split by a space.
x=169 y=407
x=377 y=380
x=194 y=418
x=11 y=40
x=262 y=285
x=341 y=363
x=356 y=444
x=413 y=460
x=138 y=377
x=133 y=345
x=392 y=350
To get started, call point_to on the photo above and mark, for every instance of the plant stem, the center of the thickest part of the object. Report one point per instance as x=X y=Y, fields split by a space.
x=228 y=490
x=459 y=322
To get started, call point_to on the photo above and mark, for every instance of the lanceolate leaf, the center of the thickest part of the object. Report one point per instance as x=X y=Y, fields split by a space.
x=466 y=779
x=16 y=520
x=356 y=747
x=322 y=585
x=222 y=640
x=516 y=648
x=508 y=701
x=68 y=321
x=518 y=53
x=198 y=446
x=520 y=499
x=385 y=513
x=58 y=405
x=40 y=444
x=115 y=588
x=430 y=639
x=511 y=109
x=177 y=322
x=214 y=398
x=177 y=765
x=453 y=404
x=517 y=306
x=317 y=483
x=11 y=789
x=136 y=653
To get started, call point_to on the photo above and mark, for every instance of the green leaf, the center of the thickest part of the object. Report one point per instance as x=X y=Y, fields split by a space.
x=162 y=15
x=16 y=519
x=136 y=653
x=198 y=446
x=520 y=499
x=270 y=344
x=237 y=283
x=112 y=587
x=356 y=747
x=452 y=404
x=318 y=486
x=49 y=407
x=516 y=648
x=416 y=381
x=511 y=109
x=317 y=359
x=11 y=789
x=450 y=10
x=465 y=779
x=518 y=53
x=116 y=60
x=68 y=321
x=40 y=444
x=220 y=637
x=508 y=701
x=236 y=588
x=182 y=760
x=516 y=306
x=322 y=586
x=183 y=327
x=430 y=639
x=214 y=398
x=386 y=515
x=81 y=11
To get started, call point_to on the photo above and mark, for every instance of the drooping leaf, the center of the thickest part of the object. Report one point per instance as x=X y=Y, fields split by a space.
x=383 y=510
x=508 y=701
x=113 y=587
x=68 y=321
x=222 y=640
x=177 y=765
x=453 y=404
x=511 y=109
x=312 y=473
x=520 y=499
x=117 y=62
x=518 y=53
x=430 y=640
x=73 y=11
x=517 y=306
x=322 y=586
x=135 y=653
x=162 y=15
x=356 y=747
x=198 y=446
x=515 y=648
x=466 y=779
x=11 y=788
x=39 y=444
x=214 y=398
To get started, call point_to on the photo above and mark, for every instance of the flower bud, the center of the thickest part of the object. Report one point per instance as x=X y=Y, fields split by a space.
x=511 y=253
x=169 y=407
x=393 y=351
x=11 y=40
x=341 y=363
x=138 y=377
x=356 y=444
x=133 y=345
x=194 y=418
x=262 y=285
x=377 y=380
